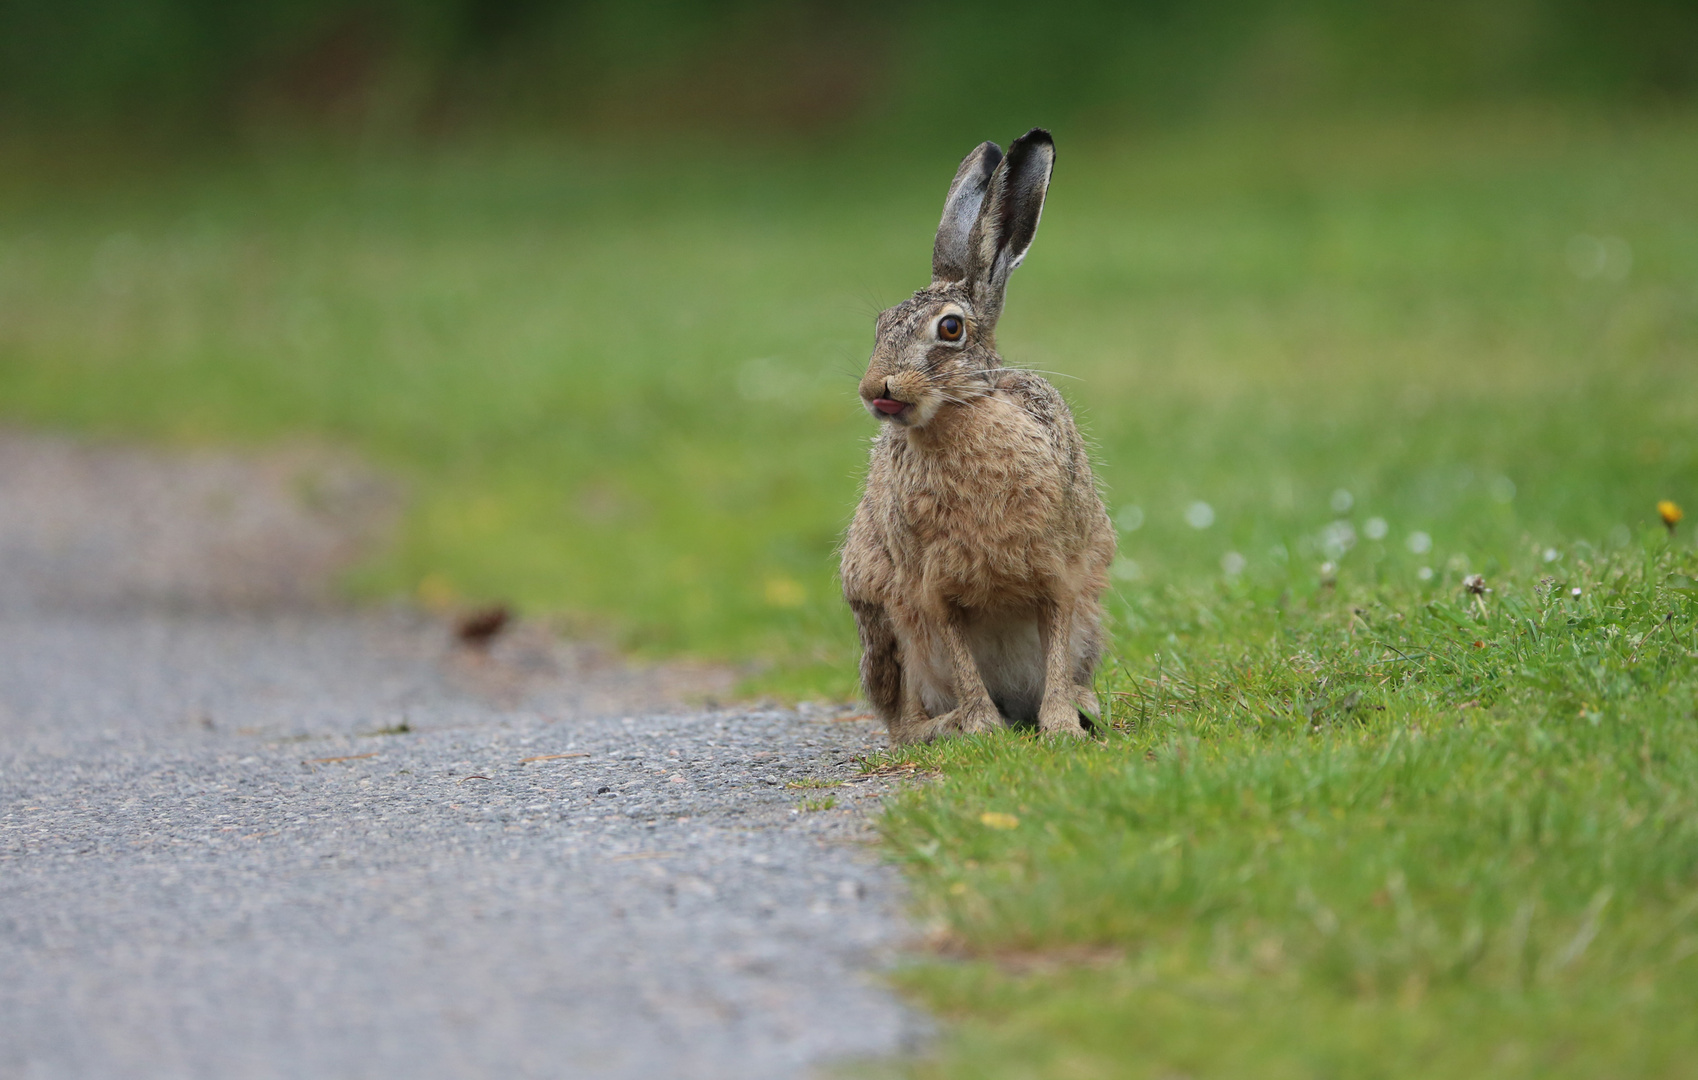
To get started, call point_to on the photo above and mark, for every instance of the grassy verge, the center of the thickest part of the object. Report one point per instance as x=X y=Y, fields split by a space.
x=1351 y=830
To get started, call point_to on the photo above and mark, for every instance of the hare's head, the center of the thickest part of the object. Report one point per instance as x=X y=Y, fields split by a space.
x=937 y=348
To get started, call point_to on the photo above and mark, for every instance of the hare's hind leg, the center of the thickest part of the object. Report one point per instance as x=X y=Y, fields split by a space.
x=1059 y=713
x=1087 y=650
x=881 y=660
x=915 y=724
x=894 y=693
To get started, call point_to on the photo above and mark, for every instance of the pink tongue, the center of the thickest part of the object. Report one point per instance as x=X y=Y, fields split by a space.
x=889 y=407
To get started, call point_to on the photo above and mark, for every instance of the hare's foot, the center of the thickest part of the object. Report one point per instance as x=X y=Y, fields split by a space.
x=1060 y=716
x=913 y=725
x=929 y=729
x=972 y=719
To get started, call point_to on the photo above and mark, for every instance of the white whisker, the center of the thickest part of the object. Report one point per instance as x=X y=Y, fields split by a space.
x=1045 y=371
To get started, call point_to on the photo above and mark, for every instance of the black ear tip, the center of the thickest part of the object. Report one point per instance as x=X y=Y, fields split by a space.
x=1034 y=145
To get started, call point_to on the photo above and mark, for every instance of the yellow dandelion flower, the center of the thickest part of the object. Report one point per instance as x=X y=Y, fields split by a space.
x=1669 y=511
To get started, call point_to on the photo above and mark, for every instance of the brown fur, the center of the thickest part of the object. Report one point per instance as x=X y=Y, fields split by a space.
x=977 y=557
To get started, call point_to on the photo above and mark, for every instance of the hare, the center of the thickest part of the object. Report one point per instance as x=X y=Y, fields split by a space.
x=977 y=558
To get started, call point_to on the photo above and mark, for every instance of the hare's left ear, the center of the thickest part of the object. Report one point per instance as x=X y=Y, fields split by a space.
x=1008 y=220
x=961 y=211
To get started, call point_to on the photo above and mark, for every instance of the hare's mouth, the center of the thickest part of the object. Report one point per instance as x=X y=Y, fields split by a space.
x=891 y=407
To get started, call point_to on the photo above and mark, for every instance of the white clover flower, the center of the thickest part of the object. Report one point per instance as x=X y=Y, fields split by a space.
x=1337 y=538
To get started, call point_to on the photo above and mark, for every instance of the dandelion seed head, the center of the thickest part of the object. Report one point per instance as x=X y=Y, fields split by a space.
x=1199 y=515
x=1232 y=564
x=1342 y=501
x=1419 y=543
x=1425 y=573
x=1375 y=528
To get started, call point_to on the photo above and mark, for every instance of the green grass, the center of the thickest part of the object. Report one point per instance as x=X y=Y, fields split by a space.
x=1350 y=820
x=1367 y=830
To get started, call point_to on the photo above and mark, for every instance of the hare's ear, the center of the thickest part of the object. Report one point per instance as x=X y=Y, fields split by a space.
x=961 y=210
x=1008 y=219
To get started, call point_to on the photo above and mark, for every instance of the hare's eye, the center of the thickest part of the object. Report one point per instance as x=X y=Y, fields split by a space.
x=949 y=328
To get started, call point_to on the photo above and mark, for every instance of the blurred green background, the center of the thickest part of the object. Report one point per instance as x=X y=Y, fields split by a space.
x=597 y=280
x=769 y=67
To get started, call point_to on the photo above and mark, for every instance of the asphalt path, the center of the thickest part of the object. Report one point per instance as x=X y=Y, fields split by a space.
x=244 y=833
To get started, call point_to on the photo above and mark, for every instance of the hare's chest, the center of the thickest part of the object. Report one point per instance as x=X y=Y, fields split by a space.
x=977 y=515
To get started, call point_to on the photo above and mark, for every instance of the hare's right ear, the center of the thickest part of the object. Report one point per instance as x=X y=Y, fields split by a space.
x=961 y=210
x=1008 y=220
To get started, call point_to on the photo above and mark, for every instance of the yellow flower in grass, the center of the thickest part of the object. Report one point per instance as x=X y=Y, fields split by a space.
x=1669 y=511
x=997 y=820
x=783 y=592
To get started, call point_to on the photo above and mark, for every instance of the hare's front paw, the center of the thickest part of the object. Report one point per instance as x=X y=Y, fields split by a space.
x=1059 y=717
x=970 y=720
